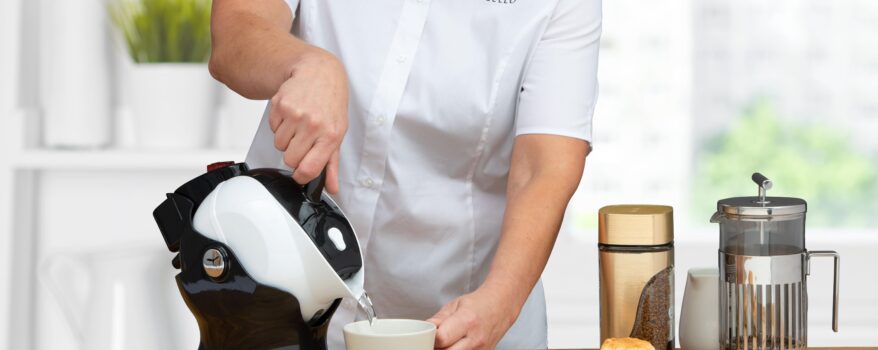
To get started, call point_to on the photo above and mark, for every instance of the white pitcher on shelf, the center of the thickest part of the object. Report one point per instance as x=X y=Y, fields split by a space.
x=74 y=73
x=120 y=300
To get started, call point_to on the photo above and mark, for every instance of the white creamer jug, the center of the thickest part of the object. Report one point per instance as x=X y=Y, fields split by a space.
x=699 y=320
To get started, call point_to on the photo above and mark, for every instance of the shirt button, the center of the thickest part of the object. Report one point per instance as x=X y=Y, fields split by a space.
x=369 y=183
x=380 y=120
x=400 y=58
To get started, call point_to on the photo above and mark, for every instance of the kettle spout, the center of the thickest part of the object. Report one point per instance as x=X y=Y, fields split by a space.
x=716 y=218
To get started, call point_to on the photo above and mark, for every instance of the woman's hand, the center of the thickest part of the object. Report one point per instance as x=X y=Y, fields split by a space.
x=475 y=321
x=309 y=117
x=255 y=55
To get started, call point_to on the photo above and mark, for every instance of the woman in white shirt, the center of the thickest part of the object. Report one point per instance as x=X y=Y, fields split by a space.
x=453 y=132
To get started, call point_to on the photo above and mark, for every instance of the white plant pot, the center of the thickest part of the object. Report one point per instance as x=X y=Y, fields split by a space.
x=74 y=74
x=172 y=105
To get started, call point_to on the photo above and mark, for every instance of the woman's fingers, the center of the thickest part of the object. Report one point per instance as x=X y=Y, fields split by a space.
x=463 y=344
x=300 y=145
x=332 y=173
x=275 y=115
x=283 y=133
x=453 y=329
x=444 y=313
x=314 y=161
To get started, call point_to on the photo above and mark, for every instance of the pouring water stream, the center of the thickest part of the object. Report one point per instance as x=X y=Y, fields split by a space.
x=366 y=305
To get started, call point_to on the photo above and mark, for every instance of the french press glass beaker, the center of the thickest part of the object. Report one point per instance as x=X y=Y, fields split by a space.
x=763 y=264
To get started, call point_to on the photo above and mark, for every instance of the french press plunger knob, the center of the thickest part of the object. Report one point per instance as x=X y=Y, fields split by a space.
x=764 y=185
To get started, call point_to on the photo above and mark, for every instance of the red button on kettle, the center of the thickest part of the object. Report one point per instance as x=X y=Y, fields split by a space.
x=218 y=165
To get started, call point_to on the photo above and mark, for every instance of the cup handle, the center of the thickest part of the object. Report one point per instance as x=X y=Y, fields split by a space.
x=836 y=258
x=52 y=274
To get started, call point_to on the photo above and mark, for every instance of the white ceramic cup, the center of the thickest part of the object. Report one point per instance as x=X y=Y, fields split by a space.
x=390 y=334
x=699 y=317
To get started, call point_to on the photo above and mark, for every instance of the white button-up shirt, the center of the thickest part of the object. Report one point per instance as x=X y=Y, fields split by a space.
x=439 y=90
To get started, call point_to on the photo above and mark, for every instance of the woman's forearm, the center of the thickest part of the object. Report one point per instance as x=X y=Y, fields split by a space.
x=253 y=52
x=544 y=175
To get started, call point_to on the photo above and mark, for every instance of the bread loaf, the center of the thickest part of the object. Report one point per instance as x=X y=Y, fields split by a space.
x=626 y=344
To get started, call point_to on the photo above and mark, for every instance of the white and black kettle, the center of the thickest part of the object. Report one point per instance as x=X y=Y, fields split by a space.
x=264 y=262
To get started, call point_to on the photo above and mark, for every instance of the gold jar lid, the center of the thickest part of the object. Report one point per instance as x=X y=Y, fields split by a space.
x=636 y=225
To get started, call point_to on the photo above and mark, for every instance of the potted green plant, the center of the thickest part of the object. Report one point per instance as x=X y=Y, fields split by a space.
x=171 y=93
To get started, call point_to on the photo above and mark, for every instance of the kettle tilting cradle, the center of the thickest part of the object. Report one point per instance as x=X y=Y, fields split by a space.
x=264 y=262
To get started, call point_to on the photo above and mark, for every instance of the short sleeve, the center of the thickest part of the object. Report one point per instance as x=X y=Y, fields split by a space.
x=559 y=86
x=294 y=4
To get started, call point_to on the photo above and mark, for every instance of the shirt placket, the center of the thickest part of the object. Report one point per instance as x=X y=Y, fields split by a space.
x=382 y=112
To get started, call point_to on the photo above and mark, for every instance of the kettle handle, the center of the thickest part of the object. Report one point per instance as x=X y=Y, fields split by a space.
x=836 y=258
x=58 y=273
x=314 y=189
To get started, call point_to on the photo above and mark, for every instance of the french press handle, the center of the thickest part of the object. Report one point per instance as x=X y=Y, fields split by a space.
x=836 y=258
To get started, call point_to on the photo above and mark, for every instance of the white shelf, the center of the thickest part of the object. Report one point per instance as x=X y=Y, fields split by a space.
x=121 y=159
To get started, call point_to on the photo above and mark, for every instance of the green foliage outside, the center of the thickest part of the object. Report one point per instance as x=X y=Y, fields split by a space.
x=159 y=31
x=813 y=162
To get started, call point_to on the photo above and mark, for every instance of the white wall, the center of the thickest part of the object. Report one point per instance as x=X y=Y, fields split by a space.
x=9 y=41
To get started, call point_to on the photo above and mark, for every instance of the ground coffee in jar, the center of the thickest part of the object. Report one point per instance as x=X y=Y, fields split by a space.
x=636 y=253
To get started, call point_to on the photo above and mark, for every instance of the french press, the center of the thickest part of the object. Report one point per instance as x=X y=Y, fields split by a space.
x=763 y=265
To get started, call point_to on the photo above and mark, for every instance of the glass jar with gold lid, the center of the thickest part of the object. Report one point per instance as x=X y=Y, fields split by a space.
x=636 y=253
